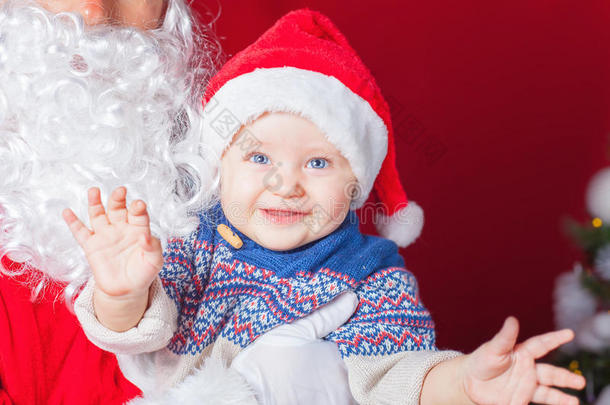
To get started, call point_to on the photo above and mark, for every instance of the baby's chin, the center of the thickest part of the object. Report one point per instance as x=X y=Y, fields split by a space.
x=282 y=237
x=290 y=237
x=281 y=240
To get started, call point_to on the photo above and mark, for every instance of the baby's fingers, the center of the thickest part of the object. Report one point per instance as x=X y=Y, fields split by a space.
x=559 y=377
x=137 y=214
x=97 y=214
x=540 y=345
x=117 y=206
x=547 y=395
x=78 y=229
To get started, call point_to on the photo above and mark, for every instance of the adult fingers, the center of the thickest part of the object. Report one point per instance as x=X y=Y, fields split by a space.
x=334 y=314
x=552 y=396
x=80 y=232
x=559 y=377
x=314 y=326
x=137 y=214
x=117 y=206
x=97 y=214
x=540 y=345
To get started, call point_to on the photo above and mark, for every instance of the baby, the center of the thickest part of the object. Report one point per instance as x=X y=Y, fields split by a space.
x=301 y=135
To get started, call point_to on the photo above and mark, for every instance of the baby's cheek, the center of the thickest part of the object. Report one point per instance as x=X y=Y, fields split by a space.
x=242 y=189
x=336 y=198
x=250 y=181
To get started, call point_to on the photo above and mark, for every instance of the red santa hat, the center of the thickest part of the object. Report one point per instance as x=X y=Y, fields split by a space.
x=304 y=65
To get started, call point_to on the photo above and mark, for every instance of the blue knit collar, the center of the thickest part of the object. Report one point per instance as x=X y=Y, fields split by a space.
x=345 y=250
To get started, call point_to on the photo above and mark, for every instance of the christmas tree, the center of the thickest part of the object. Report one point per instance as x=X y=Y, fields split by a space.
x=582 y=297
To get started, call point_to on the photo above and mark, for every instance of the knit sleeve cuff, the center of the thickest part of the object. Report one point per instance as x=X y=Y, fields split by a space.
x=423 y=362
x=152 y=333
x=392 y=379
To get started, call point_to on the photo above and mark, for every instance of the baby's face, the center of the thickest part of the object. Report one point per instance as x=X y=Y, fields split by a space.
x=283 y=184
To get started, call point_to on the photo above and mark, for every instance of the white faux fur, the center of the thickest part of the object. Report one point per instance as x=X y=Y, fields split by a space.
x=348 y=121
x=212 y=384
x=404 y=227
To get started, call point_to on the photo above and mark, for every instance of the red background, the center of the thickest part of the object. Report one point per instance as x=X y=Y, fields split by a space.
x=501 y=116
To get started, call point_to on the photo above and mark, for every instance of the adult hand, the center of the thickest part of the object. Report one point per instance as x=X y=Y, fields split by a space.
x=291 y=364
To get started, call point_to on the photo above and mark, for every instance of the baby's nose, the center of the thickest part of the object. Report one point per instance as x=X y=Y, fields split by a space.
x=93 y=11
x=287 y=183
x=294 y=190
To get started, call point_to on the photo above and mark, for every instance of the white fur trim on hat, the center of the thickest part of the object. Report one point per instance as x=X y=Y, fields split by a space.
x=348 y=121
x=404 y=227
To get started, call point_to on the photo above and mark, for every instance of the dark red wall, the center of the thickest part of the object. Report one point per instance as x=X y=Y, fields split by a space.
x=501 y=113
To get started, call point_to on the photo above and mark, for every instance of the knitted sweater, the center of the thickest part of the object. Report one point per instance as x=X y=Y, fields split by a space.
x=212 y=299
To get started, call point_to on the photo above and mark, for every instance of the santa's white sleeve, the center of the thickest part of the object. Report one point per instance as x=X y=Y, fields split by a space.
x=152 y=333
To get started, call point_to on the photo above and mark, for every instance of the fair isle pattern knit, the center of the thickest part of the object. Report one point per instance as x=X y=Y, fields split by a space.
x=390 y=317
x=239 y=294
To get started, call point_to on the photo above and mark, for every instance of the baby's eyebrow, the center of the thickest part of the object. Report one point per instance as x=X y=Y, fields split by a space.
x=266 y=146
x=316 y=147
x=324 y=151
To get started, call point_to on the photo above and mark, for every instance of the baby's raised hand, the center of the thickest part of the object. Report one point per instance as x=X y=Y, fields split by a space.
x=124 y=257
x=503 y=372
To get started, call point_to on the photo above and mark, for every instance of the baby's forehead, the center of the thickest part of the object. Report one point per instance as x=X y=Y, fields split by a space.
x=312 y=145
x=285 y=129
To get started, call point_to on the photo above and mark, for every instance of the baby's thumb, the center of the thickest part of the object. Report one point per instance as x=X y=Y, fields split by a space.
x=505 y=340
x=152 y=251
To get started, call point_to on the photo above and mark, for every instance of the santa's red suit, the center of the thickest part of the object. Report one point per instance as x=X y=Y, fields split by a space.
x=45 y=358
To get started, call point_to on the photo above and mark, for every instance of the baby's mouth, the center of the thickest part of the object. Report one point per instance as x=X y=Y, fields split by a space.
x=280 y=216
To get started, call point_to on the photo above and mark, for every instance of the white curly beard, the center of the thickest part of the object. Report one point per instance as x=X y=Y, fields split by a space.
x=102 y=106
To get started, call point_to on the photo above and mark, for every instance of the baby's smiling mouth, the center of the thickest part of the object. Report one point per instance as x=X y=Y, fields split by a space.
x=282 y=216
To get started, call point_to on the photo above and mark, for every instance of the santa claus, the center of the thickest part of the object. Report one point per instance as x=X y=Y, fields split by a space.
x=103 y=93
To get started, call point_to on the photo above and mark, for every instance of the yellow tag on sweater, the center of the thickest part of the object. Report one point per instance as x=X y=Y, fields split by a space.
x=229 y=236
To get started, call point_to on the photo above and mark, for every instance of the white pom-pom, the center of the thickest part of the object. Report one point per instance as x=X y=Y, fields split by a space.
x=573 y=304
x=594 y=334
x=601 y=326
x=602 y=262
x=212 y=384
x=404 y=227
x=598 y=195
x=604 y=397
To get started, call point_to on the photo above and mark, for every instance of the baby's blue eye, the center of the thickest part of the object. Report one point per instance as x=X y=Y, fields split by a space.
x=317 y=163
x=259 y=158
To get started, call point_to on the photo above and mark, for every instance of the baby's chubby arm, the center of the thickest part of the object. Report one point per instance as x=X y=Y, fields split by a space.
x=124 y=257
